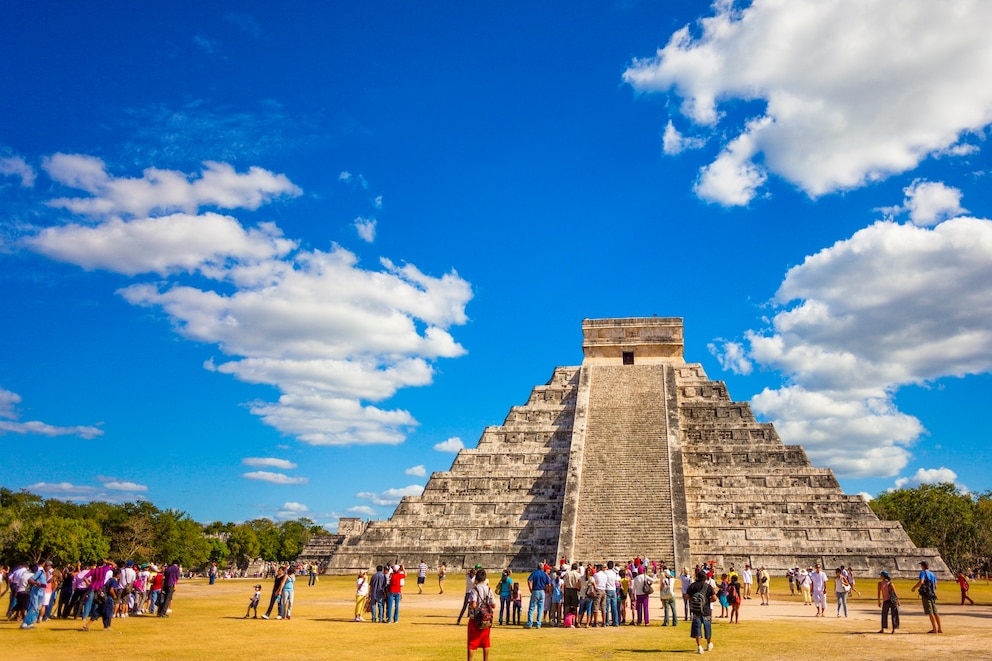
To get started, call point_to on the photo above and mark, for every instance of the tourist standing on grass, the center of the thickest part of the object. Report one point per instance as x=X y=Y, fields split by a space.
x=702 y=596
x=480 y=620
x=748 y=579
x=965 y=586
x=888 y=600
x=396 y=580
x=421 y=576
x=927 y=585
x=685 y=581
x=842 y=586
x=361 y=595
x=667 y=594
x=169 y=588
x=537 y=582
x=288 y=594
x=641 y=583
x=805 y=585
x=378 y=585
x=469 y=586
x=505 y=589
x=442 y=571
x=734 y=599
x=819 y=581
x=277 y=584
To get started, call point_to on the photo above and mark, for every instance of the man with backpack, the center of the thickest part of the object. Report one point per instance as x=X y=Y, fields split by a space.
x=927 y=586
x=701 y=596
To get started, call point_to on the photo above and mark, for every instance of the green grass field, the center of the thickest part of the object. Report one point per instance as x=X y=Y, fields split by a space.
x=207 y=624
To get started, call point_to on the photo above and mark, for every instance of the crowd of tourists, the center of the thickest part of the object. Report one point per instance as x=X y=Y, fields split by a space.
x=103 y=590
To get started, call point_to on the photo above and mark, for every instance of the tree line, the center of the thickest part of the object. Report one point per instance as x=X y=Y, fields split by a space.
x=33 y=528
x=957 y=524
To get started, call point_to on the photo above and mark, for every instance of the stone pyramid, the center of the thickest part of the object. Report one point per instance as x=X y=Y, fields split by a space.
x=635 y=452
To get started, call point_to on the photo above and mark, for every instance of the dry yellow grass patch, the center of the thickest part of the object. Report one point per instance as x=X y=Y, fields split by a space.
x=207 y=624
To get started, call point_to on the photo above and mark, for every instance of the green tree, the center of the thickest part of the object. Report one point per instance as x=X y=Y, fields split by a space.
x=934 y=515
x=244 y=545
x=180 y=539
x=62 y=540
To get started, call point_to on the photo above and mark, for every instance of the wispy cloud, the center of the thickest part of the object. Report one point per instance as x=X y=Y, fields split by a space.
x=273 y=478
x=9 y=421
x=416 y=471
x=268 y=462
x=15 y=166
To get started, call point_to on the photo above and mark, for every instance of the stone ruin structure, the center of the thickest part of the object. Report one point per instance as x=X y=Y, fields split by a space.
x=635 y=452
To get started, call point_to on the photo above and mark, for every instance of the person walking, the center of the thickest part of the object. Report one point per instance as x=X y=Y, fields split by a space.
x=842 y=587
x=667 y=594
x=965 y=586
x=702 y=596
x=888 y=600
x=277 y=584
x=480 y=620
x=421 y=576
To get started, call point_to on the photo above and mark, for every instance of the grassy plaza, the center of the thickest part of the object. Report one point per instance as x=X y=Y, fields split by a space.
x=207 y=623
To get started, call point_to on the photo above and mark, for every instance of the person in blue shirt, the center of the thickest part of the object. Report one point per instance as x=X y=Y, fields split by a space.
x=927 y=585
x=36 y=584
x=537 y=582
x=505 y=589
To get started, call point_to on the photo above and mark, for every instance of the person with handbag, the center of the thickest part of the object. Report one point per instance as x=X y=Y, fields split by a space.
x=888 y=600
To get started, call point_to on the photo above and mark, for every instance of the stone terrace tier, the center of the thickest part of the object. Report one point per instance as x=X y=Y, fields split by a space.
x=752 y=500
x=498 y=506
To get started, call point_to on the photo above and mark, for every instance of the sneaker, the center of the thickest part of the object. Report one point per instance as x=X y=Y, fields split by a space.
x=709 y=648
x=265 y=617
x=278 y=617
x=699 y=650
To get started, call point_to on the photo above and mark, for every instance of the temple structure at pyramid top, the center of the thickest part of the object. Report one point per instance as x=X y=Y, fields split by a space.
x=633 y=453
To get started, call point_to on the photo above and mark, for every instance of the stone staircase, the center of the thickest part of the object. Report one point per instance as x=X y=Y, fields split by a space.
x=623 y=507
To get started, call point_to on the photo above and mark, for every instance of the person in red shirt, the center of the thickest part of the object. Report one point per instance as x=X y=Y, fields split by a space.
x=396 y=581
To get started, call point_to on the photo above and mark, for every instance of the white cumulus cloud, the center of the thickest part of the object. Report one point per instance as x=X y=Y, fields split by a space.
x=416 y=471
x=893 y=305
x=391 y=496
x=453 y=444
x=849 y=92
x=332 y=336
x=163 y=191
x=927 y=476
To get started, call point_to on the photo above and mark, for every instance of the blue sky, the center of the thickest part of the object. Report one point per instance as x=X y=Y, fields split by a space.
x=284 y=262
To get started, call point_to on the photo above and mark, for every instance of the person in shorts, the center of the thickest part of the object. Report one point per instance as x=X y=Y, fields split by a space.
x=702 y=618
x=927 y=586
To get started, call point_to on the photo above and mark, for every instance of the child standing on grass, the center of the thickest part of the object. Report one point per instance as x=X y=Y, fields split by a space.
x=253 y=604
x=517 y=601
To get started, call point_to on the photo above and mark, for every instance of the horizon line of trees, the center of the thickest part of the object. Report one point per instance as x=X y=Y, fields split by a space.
x=33 y=528
x=941 y=516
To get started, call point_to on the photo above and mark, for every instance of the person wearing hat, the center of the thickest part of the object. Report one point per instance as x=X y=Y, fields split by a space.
x=927 y=585
x=396 y=580
x=888 y=600
x=253 y=603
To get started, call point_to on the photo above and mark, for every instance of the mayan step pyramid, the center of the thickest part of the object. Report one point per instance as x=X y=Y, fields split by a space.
x=635 y=452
